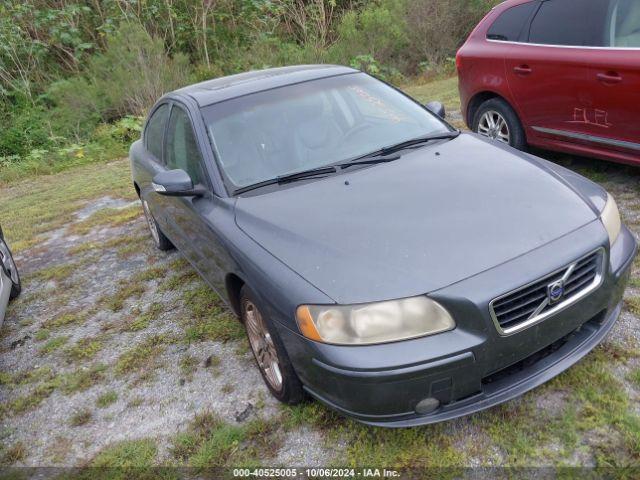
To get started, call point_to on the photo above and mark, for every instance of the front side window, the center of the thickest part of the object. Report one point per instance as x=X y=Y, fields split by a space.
x=261 y=136
x=510 y=24
x=624 y=30
x=155 y=130
x=570 y=23
x=182 y=148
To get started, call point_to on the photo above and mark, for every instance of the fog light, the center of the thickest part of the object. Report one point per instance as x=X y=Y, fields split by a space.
x=427 y=405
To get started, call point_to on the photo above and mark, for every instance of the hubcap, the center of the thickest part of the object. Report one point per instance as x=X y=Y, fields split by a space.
x=262 y=346
x=8 y=263
x=494 y=126
x=151 y=222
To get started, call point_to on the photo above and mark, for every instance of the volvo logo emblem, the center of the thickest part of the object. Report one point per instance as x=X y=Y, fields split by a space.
x=555 y=291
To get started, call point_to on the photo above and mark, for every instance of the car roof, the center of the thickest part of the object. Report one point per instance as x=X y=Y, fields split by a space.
x=224 y=88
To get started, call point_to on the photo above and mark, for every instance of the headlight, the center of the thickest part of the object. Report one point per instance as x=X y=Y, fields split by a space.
x=373 y=322
x=611 y=219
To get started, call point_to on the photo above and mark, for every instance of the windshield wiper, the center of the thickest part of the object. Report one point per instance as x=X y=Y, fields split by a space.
x=313 y=172
x=291 y=177
x=417 y=141
x=368 y=161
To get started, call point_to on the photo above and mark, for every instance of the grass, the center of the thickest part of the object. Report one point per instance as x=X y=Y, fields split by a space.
x=142 y=356
x=633 y=305
x=188 y=365
x=210 y=442
x=42 y=335
x=47 y=382
x=209 y=319
x=84 y=349
x=82 y=378
x=26 y=377
x=154 y=273
x=65 y=319
x=115 y=302
x=53 y=344
x=634 y=377
x=56 y=273
x=444 y=91
x=16 y=453
x=107 y=217
x=106 y=399
x=143 y=320
x=124 y=459
x=34 y=206
x=80 y=417
x=178 y=280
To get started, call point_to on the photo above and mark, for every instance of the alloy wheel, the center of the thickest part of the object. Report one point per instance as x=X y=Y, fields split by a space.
x=493 y=125
x=151 y=222
x=7 y=263
x=262 y=345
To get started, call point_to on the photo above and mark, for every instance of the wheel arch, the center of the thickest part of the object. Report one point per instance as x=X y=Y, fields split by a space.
x=233 y=285
x=478 y=99
x=137 y=187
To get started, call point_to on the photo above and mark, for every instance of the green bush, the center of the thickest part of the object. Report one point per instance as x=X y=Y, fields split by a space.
x=25 y=127
x=76 y=110
x=127 y=78
x=377 y=31
x=75 y=75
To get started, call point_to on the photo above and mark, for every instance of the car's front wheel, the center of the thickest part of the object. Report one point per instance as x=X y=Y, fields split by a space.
x=159 y=238
x=496 y=119
x=9 y=266
x=269 y=352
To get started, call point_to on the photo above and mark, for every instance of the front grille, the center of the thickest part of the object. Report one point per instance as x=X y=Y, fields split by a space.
x=531 y=303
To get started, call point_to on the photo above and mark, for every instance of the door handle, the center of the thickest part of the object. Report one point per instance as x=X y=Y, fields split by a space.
x=523 y=70
x=609 y=78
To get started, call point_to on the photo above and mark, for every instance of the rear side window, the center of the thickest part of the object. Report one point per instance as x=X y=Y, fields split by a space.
x=509 y=25
x=155 y=130
x=624 y=26
x=182 y=148
x=576 y=23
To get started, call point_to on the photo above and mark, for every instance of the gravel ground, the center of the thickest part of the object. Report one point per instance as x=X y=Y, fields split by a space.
x=162 y=397
x=155 y=406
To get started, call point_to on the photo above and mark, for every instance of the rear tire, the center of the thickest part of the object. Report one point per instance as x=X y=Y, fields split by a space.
x=496 y=119
x=159 y=239
x=269 y=352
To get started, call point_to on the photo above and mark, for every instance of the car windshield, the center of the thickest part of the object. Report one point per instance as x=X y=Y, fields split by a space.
x=295 y=128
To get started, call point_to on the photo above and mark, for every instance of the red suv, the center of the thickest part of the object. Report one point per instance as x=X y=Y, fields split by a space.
x=556 y=74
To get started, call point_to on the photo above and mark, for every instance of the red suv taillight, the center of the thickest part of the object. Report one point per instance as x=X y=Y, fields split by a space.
x=458 y=61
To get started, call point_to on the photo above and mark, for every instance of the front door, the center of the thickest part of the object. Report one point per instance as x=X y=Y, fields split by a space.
x=196 y=238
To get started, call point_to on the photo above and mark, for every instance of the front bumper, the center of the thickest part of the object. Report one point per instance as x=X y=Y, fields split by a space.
x=470 y=368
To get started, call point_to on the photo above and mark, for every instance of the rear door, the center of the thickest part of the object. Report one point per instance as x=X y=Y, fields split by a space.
x=615 y=79
x=548 y=70
x=152 y=163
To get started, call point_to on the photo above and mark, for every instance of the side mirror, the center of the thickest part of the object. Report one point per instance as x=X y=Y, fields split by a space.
x=437 y=108
x=175 y=183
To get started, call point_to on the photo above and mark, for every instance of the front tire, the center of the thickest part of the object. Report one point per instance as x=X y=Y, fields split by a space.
x=159 y=239
x=496 y=119
x=9 y=266
x=269 y=352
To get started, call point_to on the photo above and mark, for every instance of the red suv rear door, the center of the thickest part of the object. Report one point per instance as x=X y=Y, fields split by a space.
x=615 y=80
x=549 y=74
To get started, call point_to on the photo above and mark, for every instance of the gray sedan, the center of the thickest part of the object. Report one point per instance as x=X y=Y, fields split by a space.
x=382 y=262
x=9 y=278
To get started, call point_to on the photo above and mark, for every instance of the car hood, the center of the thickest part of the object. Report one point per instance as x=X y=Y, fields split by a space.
x=438 y=215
